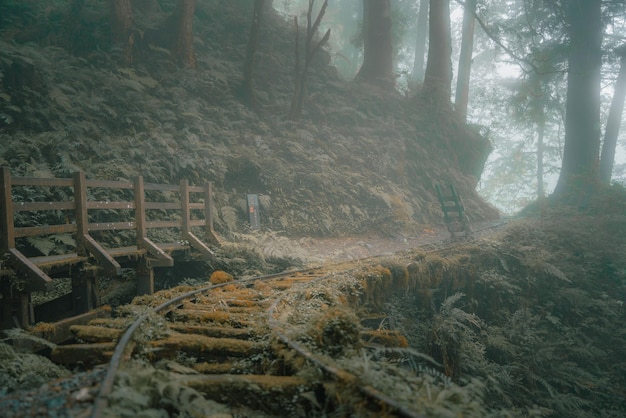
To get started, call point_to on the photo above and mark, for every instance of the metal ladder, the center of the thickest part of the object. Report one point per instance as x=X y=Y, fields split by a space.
x=454 y=213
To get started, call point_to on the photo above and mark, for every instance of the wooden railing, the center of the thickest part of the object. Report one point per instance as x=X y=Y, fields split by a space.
x=79 y=207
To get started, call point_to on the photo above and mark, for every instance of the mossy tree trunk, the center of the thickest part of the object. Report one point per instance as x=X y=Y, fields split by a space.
x=461 y=98
x=377 y=65
x=438 y=77
x=420 y=42
x=248 y=68
x=182 y=25
x=121 y=20
x=579 y=173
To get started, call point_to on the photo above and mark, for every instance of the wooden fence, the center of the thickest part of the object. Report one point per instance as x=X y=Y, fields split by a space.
x=90 y=258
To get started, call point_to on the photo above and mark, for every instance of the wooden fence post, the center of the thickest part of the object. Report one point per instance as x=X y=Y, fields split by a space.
x=7 y=240
x=209 y=232
x=18 y=307
x=82 y=220
x=140 y=210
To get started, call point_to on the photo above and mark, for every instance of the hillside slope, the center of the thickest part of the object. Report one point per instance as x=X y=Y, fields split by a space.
x=359 y=160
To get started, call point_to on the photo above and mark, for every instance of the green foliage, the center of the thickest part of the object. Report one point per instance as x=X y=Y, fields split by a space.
x=20 y=371
x=542 y=327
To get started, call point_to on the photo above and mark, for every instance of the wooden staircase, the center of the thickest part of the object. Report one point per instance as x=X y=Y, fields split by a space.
x=20 y=275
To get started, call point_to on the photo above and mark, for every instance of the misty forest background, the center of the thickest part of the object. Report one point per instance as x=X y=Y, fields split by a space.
x=505 y=66
x=328 y=113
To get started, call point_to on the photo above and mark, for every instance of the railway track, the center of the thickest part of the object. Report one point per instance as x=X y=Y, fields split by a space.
x=265 y=346
x=222 y=323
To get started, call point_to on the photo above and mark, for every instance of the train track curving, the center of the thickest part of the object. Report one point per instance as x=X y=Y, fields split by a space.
x=293 y=324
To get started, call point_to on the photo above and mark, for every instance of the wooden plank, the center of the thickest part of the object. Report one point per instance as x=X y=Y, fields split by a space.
x=110 y=205
x=37 y=206
x=170 y=247
x=125 y=251
x=32 y=231
x=204 y=347
x=186 y=227
x=196 y=189
x=7 y=239
x=156 y=252
x=95 y=334
x=140 y=210
x=42 y=182
x=162 y=206
x=102 y=256
x=252 y=390
x=111 y=226
x=109 y=184
x=37 y=279
x=199 y=245
x=82 y=221
x=209 y=232
x=164 y=224
x=161 y=187
x=46 y=262
x=87 y=354
x=60 y=331
x=213 y=331
x=184 y=206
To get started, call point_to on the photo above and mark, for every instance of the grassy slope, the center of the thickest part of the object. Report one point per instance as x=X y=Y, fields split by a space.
x=360 y=159
x=536 y=314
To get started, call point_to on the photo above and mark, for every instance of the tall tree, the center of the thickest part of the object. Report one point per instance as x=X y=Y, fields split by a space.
x=438 y=76
x=182 y=23
x=613 y=121
x=377 y=65
x=310 y=49
x=465 y=60
x=579 y=173
x=420 y=42
x=248 y=67
x=121 y=20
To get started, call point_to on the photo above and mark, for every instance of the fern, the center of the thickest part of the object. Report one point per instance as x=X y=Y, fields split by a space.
x=230 y=217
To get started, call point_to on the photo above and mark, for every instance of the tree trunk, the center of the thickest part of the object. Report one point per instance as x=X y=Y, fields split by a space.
x=121 y=20
x=438 y=77
x=613 y=124
x=420 y=42
x=248 y=90
x=579 y=174
x=541 y=130
x=377 y=65
x=465 y=61
x=183 y=18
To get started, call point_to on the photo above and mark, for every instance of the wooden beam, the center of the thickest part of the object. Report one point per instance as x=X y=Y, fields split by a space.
x=82 y=219
x=37 y=279
x=103 y=258
x=85 y=244
x=208 y=214
x=199 y=245
x=186 y=229
x=145 y=278
x=7 y=239
x=162 y=259
x=60 y=331
x=140 y=210
x=87 y=354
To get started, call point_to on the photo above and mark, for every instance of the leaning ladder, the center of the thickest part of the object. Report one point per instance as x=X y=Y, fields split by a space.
x=454 y=213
